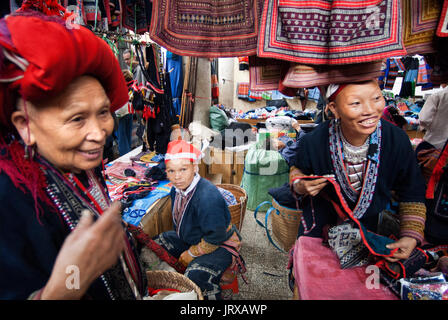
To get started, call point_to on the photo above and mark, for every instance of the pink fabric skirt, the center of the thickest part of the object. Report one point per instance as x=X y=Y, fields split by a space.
x=318 y=275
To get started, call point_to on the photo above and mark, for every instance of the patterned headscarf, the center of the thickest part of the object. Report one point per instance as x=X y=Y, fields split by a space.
x=333 y=90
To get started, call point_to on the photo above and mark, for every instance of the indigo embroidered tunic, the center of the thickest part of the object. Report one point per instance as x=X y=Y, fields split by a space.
x=206 y=217
x=29 y=246
x=397 y=171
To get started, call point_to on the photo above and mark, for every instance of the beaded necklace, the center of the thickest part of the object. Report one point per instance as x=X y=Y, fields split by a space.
x=100 y=202
x=97 y=204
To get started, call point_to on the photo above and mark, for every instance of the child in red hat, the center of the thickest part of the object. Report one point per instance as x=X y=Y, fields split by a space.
x=204 y=239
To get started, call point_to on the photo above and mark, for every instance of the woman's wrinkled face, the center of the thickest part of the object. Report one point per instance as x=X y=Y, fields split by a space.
x=181 y=172
x=70 y=130
x=359 y=108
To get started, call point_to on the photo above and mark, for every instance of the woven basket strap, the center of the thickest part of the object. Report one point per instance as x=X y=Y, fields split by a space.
x=258 y=208
x=265 y=225
x=242 y=199
x=268 y=213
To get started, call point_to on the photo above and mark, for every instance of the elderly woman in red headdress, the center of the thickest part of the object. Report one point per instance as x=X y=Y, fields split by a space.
x=368 y=159
x=204 y=239
x=60 y=236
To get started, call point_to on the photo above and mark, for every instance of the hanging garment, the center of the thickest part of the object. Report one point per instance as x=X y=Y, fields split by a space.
x=136 y=15
x=115 y=13
x=265 y=74
x=420 y=18
x=306 y=76
x=410 y=78
x=214 y=78
x=13 y=6
x=330 y=32
x=90 y=9
x=207 y=28
x=442 y=27
x=243 y=90
x=391 y=74
x=243 y=63
x=384 y=71
x=424 y=74
x=174 y=68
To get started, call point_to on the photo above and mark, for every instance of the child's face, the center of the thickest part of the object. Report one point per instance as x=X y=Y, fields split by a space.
x=180 y=172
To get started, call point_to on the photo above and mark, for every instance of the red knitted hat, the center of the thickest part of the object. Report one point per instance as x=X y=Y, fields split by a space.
x=180 y=149
x=40 y=56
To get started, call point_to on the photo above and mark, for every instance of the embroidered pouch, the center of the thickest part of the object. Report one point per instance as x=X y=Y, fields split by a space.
x=404 y=268
x=346 y=241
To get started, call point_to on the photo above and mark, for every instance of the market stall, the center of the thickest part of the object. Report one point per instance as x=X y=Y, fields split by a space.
x=243 y=85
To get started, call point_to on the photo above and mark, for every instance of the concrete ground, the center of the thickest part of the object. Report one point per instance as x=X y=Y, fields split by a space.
x=266 y=265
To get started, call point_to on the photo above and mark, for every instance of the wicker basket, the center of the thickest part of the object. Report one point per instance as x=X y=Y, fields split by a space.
x=238 y=210
x=285 y=225
x=160 y=279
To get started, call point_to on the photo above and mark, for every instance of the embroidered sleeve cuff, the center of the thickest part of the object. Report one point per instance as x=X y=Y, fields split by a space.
x=412 y=220
x=202 y=248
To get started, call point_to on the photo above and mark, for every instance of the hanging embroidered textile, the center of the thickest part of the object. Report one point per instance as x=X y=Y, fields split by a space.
x=424 y=75
x=243 y=90
x=265 y=74
x=330 y=32
x=442 y=27
x=137 y=15
x=207 y=28
x=104 y=9
x=420 y=18
x=307 y=76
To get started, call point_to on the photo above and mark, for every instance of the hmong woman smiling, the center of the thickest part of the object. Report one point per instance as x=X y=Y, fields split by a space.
x=370 y=158
x=58 y=89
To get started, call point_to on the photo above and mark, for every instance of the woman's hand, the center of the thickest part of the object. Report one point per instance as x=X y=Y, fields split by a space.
x=91 y=248
x=405 y=246
x=310 y=187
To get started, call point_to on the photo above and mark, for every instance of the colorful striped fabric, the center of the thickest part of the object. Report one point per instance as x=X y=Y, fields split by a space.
x=330 y=32
x=442 y=27
x=423 y=76
x=256 y=95
x=391 y=75
x=308 y=76
x=420 y=18
x=265 y=74
x=206 y=28
x=243 y=90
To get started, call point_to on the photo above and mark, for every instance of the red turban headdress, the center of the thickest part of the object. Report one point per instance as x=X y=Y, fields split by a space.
x=42 y=55
x=39 y=57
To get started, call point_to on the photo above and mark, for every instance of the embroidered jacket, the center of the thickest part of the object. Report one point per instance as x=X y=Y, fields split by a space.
x=206 y=216
x=29 y=246
x=397 y=171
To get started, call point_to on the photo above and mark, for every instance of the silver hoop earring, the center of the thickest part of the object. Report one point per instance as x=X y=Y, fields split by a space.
x=29 y=153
